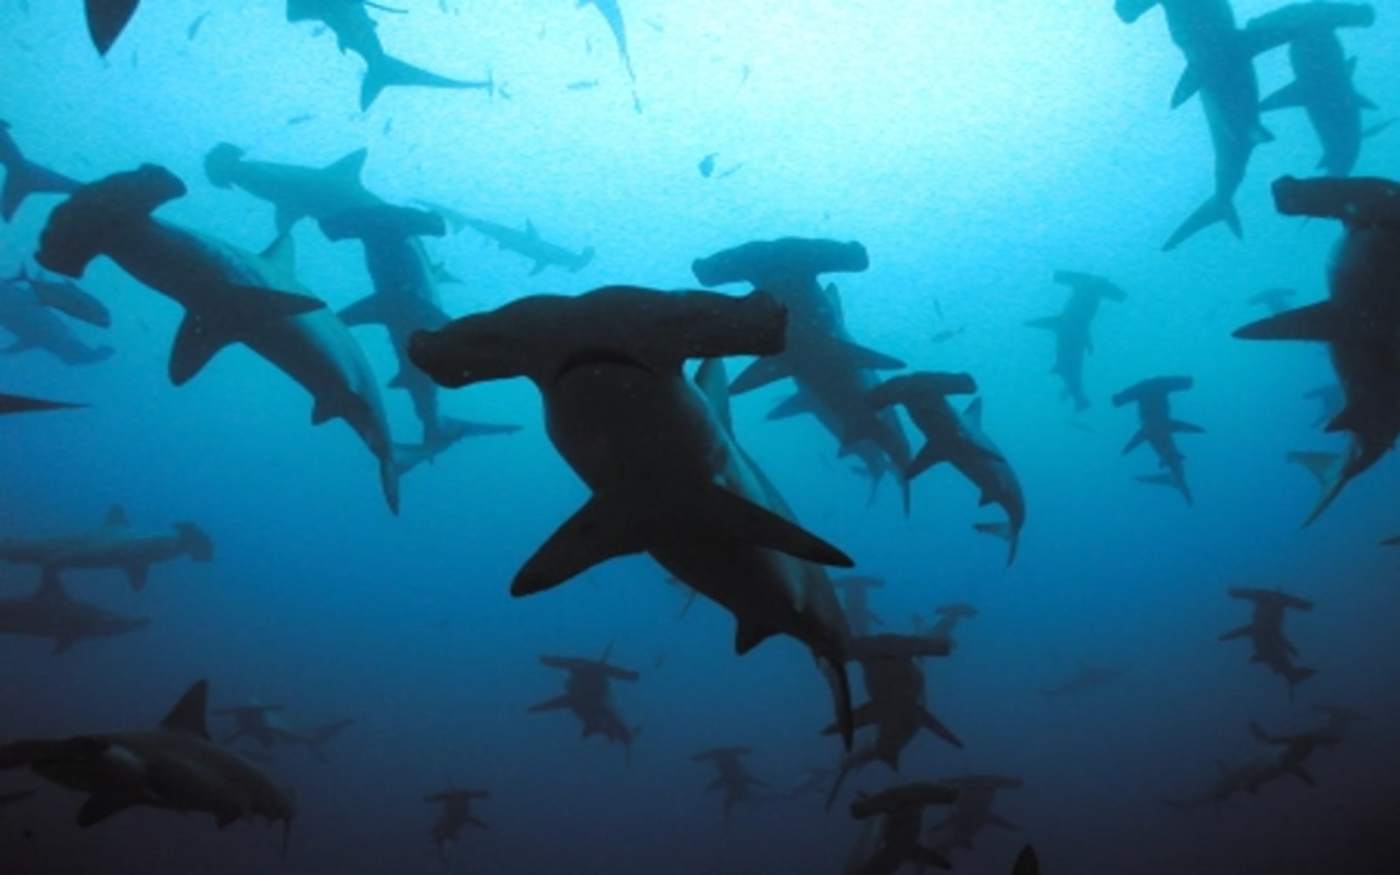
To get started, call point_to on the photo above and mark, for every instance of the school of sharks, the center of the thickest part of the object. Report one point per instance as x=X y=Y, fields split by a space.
x=674 y=475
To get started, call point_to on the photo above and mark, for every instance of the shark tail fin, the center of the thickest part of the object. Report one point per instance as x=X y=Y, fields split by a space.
x=389 y=478
x=385 y=70
x=1212 y=211
x=1004 y=531
x=106 y=19
x=77 y=229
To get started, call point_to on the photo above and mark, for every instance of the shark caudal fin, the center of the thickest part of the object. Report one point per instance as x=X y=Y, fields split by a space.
x=1006 y=532
x=385 y=70
x=106 y=19
x=23 y=177
x=1209 y=213
x=77 y=229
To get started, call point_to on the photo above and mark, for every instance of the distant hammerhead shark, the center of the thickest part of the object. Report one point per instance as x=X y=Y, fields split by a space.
x=902 y=810
x=229 y=295
x=1220 y=66
x=66 y=297
x=972 y=813
x=456 y=814
x=23 y=177
x=733 y=777
x=1071 y=327
x=658 y=452
x=113 y=545
x=1156 y=428
x=27 y=316
x=1360 y=320
x=20 y=404
x=1265 y=632
x=49 y=612
x=106 y=19
x=1252 y=775
x=405 y=300
x=587 y=695
x=897 y=709
x=296 y=192
x=1323 y=85
x=1086 y=677
x=355 y=31
x=174 y=767
x=960 y=441
x=256 y=721
x=528 y=242
x=949 y=616
x=833 y=373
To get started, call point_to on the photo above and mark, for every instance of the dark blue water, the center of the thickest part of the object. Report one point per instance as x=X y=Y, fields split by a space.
x=973 y=150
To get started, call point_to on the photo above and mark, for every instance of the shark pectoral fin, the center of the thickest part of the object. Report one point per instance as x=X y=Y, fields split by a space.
x=597 y=532
x=98 y=808
x=1178 y=425
x=369 y=310
x=934 y=725
x=1186 y=87
x=202 y=335
x=1134 y=441
x=1301 y=772
x=1290 y=95
x=538 y=268
x=550 y=704
x=716 y=508
x=931 y=454
x=1049 y=323
x=195 y=345
x=795 y=405
x=136 y=575
x=1322 y=322
x=106 y=19
x=1241 y=632
x=864 y=357
x=761 y=372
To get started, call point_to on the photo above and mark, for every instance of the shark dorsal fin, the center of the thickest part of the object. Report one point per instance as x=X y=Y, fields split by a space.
x=281 y=254
x=116 y=517
x=530 y=230
x=349 y=167
x=188 y=713
x=712 y=380
x=974 y=412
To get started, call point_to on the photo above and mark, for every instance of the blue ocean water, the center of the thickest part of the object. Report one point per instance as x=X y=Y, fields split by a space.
x=974 y=150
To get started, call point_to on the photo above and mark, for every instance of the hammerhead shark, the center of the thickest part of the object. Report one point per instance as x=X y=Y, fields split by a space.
x=1220 y=66
x=258 y=722
x=733 y=777
x=902 y=810
x=856 y=601
x=106 y=19
x=973 y=812
x=66 y=297
x=1156 y=427
x=34 y=324
x=174 y=767
x=229 y=295
x=960 y=441
x=456 y=814
x=658 y=452
x=1071 y=328
x=1265 y=632
x=1360 y=320
x=295 y=192
x=20 y=404
x=1085 y=677
x=51 y=613
x=1323 y=85
x=23 y=177
x=1252 y=775
x=897 y=708
x=949 y=616
x=527 y=242
x=587 y=695
x=113 y=545
x=405 y=299
x=355 y=31
x=833 y=373
x=1297 y=748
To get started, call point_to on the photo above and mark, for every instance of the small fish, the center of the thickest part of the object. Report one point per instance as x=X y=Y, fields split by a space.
x=195 y=26
x=582 y=84
x=725 y=174
x=707 y=164
x=300 y=119
x=947 y=334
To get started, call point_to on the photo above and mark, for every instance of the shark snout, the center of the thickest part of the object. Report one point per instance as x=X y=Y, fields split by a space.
x=431 y=353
